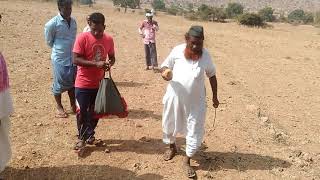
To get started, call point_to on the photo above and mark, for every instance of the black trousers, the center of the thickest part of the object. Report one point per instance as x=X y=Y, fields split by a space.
x=151 y=54
x=86 y=123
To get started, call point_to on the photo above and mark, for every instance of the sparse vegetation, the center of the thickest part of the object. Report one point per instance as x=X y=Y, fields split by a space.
x=298 y=16
x=267 y=14
x=158 y=5
x=207 y=13
x=251 y=19
x=174 y=10
x=234 y=9
x=317 y=18
x=133 y=4
x=218 y=14
x=308 y=18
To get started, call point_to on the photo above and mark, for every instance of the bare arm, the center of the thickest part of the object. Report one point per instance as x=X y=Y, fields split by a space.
x=214 y=87
x=140 y=30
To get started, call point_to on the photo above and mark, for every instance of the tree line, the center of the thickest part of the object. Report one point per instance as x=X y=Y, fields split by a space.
x=233 y=10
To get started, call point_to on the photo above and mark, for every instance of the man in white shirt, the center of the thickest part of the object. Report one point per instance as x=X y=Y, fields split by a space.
x=184 y=110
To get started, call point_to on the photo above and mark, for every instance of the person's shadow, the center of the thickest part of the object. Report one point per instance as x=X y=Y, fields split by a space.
x=141 y=114
x=75 y=172
x=144 y=145
x=129 y=84
x=208 y=161
x=215 y=161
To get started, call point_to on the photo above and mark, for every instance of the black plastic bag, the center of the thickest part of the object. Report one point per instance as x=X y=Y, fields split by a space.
x=108 y=100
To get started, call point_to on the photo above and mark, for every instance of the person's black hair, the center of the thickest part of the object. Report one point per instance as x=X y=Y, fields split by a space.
x=62 y=3
x=97 y=18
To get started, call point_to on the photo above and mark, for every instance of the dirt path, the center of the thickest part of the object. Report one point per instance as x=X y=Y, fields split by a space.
x=267 y=126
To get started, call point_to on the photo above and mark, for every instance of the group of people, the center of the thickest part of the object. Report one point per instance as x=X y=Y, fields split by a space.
x=80 y=61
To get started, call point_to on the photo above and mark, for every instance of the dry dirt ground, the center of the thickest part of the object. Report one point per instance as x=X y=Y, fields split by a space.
x=267 y=125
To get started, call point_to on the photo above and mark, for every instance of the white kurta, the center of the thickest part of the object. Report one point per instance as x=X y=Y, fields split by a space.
x=185 y=99
x=5 y=110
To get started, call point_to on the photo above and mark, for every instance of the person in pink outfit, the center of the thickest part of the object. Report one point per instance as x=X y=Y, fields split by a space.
x=147 y=30
x=6 y=109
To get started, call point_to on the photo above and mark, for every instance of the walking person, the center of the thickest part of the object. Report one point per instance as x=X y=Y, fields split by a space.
x=93 y=54
x=184 y=110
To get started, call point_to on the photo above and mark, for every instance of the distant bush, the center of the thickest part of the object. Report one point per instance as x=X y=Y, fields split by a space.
x=208 y=13
x=158 y=5
x=189 y=7
x=204 y=12
x=191 y=16
x=133 y=4
x=267 y=14
x=317 y=18
x=283 y=18
x=308 y=18
x=173 y=10
x=251 y=19
x=300 y=17
x=218 y=14
x=296 y=15
x=234 y=9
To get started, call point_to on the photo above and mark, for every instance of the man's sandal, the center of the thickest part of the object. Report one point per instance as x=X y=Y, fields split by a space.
x=94 y=141
x=169 y=154
x=190 y=172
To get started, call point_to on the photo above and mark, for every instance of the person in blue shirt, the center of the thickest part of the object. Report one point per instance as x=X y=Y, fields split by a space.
x=60 y=34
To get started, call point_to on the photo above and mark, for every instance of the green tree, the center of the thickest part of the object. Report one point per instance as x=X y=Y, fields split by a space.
x=267 y=14
x=204 y=12
x=296 y=16
x=251 y=19
x=158 y=5
x=234 y=9
x=218 y=14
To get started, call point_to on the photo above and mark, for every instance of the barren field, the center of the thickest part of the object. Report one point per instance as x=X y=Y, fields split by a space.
x=267 y=126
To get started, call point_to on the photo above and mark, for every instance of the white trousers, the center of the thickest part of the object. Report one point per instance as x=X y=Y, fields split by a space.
x=194 y=136
x=5 y=149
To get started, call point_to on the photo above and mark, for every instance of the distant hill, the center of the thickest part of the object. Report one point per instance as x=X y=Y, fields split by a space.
x=254 y=5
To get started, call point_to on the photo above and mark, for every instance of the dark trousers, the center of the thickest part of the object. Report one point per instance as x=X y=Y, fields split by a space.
x=151 y=54
x=86 y=123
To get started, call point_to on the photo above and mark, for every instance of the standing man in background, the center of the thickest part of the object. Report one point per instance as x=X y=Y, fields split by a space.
x=147 y=30
x=60 y=34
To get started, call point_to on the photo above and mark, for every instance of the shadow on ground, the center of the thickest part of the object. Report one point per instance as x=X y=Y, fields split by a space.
x=214 y=161
x=143 y=146
x=142 y=114
x=75 y=172
x=130 y=84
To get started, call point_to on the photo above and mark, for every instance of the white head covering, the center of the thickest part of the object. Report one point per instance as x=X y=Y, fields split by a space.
x=149 y=14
